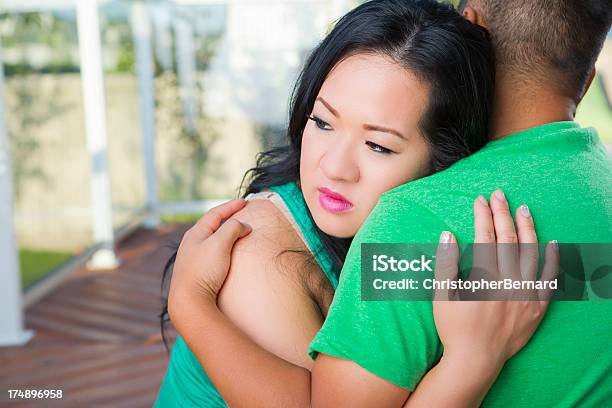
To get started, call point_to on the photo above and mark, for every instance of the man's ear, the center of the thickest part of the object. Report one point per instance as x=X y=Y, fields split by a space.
x=473 y=16
x=469 y=14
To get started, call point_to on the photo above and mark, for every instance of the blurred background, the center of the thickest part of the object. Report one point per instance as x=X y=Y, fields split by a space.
x=123 y=121
x=220 y=76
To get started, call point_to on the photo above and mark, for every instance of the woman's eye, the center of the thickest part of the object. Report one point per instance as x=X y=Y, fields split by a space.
x=321 y=124
x=378 y=148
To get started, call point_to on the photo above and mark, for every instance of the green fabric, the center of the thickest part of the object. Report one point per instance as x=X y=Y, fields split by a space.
x=563 y=173
x=186 y=384
x=294 y=200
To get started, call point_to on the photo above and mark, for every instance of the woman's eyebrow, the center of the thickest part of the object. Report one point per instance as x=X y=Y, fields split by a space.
x=384 y=129
x=329 y=107
x=365 y=126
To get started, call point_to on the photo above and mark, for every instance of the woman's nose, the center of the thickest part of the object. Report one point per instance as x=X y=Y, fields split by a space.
x=339 y=164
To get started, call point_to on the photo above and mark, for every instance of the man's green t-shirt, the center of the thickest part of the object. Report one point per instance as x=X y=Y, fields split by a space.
x=563 y=173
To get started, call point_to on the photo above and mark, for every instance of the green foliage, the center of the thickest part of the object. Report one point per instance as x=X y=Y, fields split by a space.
x=206 y=47
x=190 y=147
x=27 y=34
x=22 y=32
x=117 y=35
x=126 y=61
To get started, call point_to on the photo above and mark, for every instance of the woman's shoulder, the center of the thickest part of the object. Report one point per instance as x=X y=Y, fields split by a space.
x=279 y=243
x=271 y=255
x=265 y=292
x=271 y=227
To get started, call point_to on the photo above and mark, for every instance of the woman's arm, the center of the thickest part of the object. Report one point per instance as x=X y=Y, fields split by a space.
x=244 y=373
x=262 y=321
x=248 y=375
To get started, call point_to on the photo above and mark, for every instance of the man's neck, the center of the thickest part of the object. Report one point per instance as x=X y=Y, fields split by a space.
x=517 y=108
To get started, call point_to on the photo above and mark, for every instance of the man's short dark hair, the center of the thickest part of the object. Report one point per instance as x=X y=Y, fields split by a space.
x=556 y=41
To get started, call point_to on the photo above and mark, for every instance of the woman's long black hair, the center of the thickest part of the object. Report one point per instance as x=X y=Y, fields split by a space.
x=447 y=53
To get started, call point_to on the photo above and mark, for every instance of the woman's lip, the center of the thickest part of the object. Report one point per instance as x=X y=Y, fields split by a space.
x=334 y=195
x=332 y=201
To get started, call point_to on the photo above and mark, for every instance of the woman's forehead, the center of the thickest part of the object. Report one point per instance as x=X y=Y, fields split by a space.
x=374 y=86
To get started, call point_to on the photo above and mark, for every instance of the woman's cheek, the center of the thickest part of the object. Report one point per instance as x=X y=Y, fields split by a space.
x=315 y=148
x=309 y=163
x=393 y=172
x=306 y=154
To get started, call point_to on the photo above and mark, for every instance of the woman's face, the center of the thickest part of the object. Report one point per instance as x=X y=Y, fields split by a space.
x=361 y=140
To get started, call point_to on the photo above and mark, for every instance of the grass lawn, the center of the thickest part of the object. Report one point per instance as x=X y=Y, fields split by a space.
x=35 y=264
x=595 y=111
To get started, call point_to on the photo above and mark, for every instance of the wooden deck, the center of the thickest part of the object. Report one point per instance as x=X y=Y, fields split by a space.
x=97 y=336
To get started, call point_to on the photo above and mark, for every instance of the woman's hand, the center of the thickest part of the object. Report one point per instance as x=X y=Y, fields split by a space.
x=203 y=258
x=485 y=334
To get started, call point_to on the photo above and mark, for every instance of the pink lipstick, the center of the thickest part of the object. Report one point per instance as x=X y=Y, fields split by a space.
x=332 y=201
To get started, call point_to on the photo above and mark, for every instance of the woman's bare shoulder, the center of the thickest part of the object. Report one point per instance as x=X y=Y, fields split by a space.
x=267 y=220
x=263 y=254
x=264 y=294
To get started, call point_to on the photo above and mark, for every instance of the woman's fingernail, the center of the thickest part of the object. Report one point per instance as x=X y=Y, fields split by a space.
x=525 y=211
x=500 y=196
x=555 y=244
x=483 y=200
x=445 y=239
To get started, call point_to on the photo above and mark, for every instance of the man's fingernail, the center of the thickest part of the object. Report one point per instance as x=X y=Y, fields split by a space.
x=525 y=211
x=555 y=244
x=483 y=200
x=500 y=196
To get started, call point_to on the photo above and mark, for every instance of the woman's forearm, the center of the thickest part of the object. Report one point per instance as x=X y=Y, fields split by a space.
x=456 y=381
x=244 y=373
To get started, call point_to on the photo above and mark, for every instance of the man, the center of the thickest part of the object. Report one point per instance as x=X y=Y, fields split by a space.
x=545 y=55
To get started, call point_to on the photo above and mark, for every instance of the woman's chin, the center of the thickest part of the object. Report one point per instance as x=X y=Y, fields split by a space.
x=335 y=225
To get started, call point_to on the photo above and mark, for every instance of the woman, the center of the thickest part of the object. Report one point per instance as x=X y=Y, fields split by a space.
x=397 y=90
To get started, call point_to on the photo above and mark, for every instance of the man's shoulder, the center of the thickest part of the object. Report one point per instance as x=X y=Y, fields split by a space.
x=401 y=221
x=421 y=209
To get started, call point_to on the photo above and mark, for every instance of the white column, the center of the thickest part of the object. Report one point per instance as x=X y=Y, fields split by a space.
x=186 y=69
x=141 y=28
x=12 y=332
x=162 y=35
x=92 y=79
